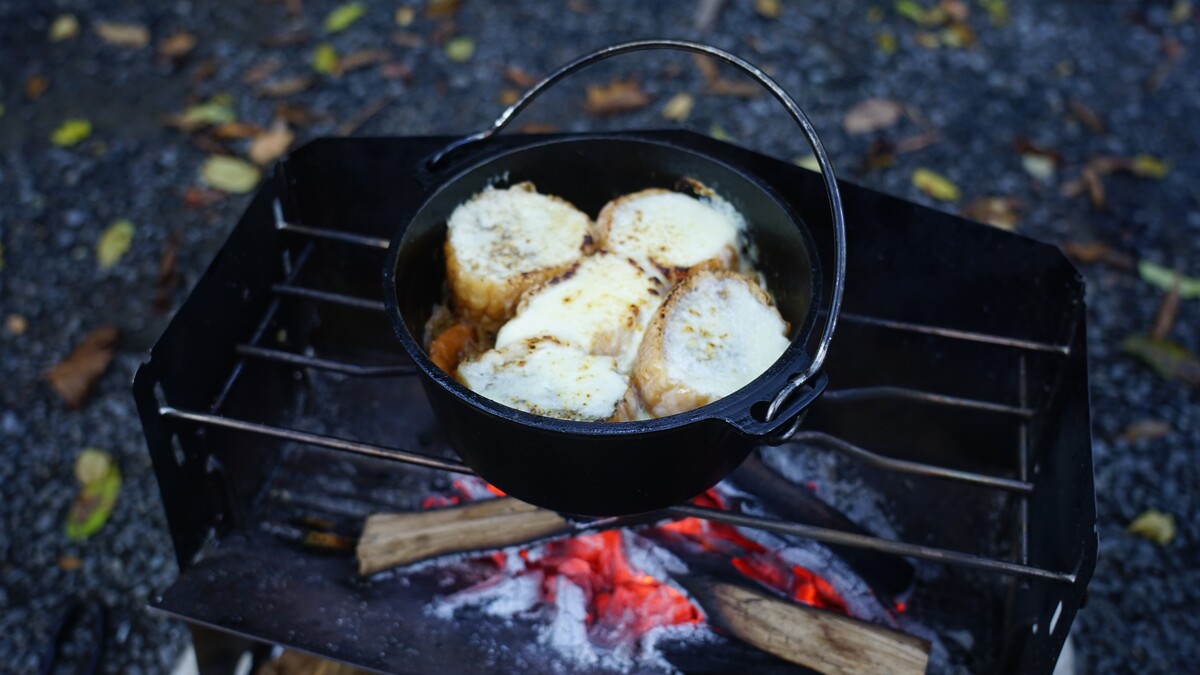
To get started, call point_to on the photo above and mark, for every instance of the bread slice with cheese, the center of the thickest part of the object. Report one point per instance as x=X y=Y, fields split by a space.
x=716 y=332
x=503 y=241
x=671 y=233
x=602 y=304
x=545 y=376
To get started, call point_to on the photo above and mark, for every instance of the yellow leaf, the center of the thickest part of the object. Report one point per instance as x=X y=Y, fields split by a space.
x=1148 y=166
x=679 y=107
x=269 y=146
x=718 y=132
x=886 y=42
x=915 y=12
x=460 y=49
x=405 y=16
x=935 y=185
x=769 y=9
x=343 y=16
x=113 y=243
x=214 y=112
x=1154 y=525
x=65 y=27
x=230 y=174
x=325 y=59
x=997 y=11
x=99 y=485
x=70 y=132
x=129 y=35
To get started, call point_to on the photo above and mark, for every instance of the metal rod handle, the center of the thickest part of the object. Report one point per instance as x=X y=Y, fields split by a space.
x=801 y=120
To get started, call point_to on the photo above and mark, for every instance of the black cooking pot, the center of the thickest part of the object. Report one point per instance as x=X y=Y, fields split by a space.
x=598 y=468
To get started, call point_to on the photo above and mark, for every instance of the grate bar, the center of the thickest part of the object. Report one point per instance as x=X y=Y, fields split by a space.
x=906 y=466
x=331 y=442
x=335 y=235
x=869 y=393
x=839 y=537
x=954 y=334
x=332 y=365
x=327 y=296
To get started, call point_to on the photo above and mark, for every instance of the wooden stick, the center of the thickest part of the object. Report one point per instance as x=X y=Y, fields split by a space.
x=391 y=539
x=814 y=638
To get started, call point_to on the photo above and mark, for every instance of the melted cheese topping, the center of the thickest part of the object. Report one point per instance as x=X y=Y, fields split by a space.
x=601 y=305
x=545 y=377
x=667 y=230
x=501 y=234
x=720 y=334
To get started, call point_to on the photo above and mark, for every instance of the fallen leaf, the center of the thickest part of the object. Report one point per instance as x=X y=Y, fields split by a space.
x=396 y=71
x=1087 y=117
x=230 y=174
x=957 y=36
x=1150 y=167
x=261 y=70
x=917 y=142
x=1172 y=50
x=997 y=11
x=927 y=40
x=271 y=145
x=71 y=132
x=1154 y=525
x=128 y=35
x=886 y=41
x=880 y=155
x=441 y=9
x=286 y=87
x=509 y=96
x=718 y=132
x=1145 y=430
x=519 y=77
x=460 y=49
x=298 y=115
x=35 y=86
x=618 y=96
x=875 y=14
x=99 y=485
x=935 y=185
x=679 y=107
x=405 y=16
x=1181 y=12
x=720 y=86
x=15 y=324
x=1094 y=252
x=72 y=379
x=343 y=16
x=363 y=58
x=325 y=60
x=213 y=112
x=199 y=198
x=770 y=9
x=956 y=10
x=1164 y=278
x=872 y=115
x=114 y=243
x=292 y=38
x=1001 y=212
x=64 y=27
x=1168 y=311
x=236 y=130
x=1040 y=167
x=178 y=46
x=168 y=274
x=1169 y=360
x=69 y=563
x=203 y=72
x=408 y=39
x=920 y=15
x=210 y=145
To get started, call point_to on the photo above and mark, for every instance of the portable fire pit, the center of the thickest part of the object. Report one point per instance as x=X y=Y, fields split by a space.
x=940 y=487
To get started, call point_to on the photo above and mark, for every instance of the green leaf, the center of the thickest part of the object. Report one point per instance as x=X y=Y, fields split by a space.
x=1169 y=360
x=1154 y=525
x=230 y=174
x=213 y=112
x=100 y=483
x=325 y=59
x=1164 y=278
x=1148 y=166
x=460 y=49
x=718 y=132
x=343 y=16
x=918 y=14
x=71 y=132
x=114 y=243
x=935 y=185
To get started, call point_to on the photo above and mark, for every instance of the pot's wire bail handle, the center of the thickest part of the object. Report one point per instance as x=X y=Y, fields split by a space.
x=810 y=134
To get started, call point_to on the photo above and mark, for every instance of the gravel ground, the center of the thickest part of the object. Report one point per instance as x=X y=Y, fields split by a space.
x=1017 y=81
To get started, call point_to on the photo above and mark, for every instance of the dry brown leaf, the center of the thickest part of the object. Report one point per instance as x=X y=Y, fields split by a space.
x=719 y=86
x=236 y=130
x=408 y=39
x=168 y=274
x=917 y=142
x=1172 y=52
x=178 y=46
x=75 y=375
x=261 y=70
x=198 y=198
x=203 y=72
x=519 y=77
x=69 y=563
x=271 y=145
x=956 y=10
x=363 y=58
x=1087 y=117
x=872 y=115
x=127 y=35
x=618 y=96
x=443 y=32
x=1024 y=146
x=1145 y=430
x=1094 y=186
x=298 y=115
x=1090 y=252
x=880 y=155
x=209 y=145
x=286 y=87
x=441 y=9
x=1168 y=310
x=1001 y=212
x=292 y=38
x=35 y=86
x=396 y=71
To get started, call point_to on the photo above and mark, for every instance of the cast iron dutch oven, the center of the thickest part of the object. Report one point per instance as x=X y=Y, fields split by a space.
x=608 y=469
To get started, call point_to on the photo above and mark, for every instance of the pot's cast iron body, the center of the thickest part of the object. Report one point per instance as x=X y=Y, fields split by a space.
x=604 y=469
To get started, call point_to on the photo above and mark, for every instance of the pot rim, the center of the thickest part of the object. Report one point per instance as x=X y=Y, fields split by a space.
x=736 y=405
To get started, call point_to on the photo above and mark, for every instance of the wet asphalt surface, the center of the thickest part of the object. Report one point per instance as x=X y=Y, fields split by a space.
x=1016 y=81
